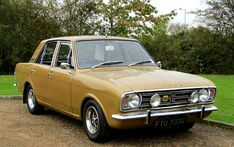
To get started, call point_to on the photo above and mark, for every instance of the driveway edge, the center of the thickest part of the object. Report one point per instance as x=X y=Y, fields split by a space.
x=11 y=97
x=218 y=124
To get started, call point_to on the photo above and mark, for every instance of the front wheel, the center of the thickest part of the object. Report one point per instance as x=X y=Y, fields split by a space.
x=33 y=106
x=95 y=124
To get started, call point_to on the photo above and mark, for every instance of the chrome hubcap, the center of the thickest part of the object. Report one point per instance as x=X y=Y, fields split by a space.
x=92 y=120
x=31 y=99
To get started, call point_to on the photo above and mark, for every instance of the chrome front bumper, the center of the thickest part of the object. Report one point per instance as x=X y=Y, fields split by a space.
x=157 y=113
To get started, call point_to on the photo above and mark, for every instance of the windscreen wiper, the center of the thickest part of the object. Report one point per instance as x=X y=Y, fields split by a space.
x=107 y=63
x=140 y=62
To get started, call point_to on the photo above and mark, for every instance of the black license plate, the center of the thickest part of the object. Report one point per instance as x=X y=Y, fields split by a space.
x=169 y=122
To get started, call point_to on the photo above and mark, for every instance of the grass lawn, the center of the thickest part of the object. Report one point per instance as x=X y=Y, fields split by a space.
x=224 y=98
x=6 y=86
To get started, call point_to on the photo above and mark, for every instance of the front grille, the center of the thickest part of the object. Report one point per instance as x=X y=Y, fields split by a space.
x=168 y=98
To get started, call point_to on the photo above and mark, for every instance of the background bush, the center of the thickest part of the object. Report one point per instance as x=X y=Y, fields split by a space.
x=209 y=49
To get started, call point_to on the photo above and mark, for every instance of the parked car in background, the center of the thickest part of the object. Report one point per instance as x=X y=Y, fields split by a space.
x=111 y=82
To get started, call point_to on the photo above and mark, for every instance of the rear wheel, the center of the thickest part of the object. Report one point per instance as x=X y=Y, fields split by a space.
x=33 y=106
x=95 y=124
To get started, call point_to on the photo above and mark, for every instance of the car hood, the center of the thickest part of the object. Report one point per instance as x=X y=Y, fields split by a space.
x=146 y=78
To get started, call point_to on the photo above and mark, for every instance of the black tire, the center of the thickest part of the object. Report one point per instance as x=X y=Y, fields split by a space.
x=96 y=127
x=33 y=106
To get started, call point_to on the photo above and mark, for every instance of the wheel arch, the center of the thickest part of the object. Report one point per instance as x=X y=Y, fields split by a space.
x=94 y=98
x=26 y=85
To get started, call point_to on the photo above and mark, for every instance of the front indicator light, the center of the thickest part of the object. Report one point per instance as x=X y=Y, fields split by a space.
x=212 y=94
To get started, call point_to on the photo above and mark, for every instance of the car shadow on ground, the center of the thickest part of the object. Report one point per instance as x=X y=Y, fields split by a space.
x=123 y=136
x=146 y=133
x=61 y=117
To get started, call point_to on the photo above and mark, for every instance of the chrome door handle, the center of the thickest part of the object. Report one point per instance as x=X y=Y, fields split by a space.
x=50 y=74
x=33 y=71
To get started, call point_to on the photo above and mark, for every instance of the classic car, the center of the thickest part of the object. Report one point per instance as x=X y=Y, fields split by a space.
x=111 y=82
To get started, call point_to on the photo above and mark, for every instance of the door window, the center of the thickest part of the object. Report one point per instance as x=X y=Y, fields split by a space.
x=64 y=54
x=47 y=53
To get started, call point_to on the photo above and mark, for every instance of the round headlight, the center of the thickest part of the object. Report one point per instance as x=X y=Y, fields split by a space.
x=203 y=95
x=155 y=100
x=194 y=97
x=133 y=101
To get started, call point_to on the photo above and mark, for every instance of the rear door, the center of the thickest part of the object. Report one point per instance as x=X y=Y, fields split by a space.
x=39 y=71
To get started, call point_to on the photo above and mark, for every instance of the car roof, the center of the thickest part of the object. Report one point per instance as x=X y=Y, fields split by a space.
x=89 y=37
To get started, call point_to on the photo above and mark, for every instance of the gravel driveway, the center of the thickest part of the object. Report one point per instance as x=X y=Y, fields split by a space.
x=19 y=128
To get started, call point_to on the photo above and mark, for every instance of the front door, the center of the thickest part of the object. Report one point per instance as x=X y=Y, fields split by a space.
x=59 y=79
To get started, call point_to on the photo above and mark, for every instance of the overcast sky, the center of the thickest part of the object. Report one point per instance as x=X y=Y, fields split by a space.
x=165 y=6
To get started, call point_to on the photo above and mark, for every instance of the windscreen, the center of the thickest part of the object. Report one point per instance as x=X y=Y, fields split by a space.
x=94 y=52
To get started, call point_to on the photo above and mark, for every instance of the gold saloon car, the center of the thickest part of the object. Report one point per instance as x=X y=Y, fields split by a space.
x=111 y=82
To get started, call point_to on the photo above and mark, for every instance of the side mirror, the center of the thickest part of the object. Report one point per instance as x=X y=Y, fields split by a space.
x=159 y=64
x=66 y=66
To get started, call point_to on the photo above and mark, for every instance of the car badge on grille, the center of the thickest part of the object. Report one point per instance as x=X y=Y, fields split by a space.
x=165 y=98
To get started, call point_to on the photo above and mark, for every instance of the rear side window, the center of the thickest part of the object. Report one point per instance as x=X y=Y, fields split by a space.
x=47 y=53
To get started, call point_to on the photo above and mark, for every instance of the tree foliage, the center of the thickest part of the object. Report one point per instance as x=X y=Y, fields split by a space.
x=219 y=16
x=24 y=23
x=131 y=17
x=78 y=17
x=199 y=50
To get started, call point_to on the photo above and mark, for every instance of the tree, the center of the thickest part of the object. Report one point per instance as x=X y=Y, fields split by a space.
x=177 y=28
x=23 y=24
x=79 y=17
x=131 y=17
x=219 y=16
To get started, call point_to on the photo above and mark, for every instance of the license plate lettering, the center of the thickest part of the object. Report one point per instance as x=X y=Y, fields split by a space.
x=161 y=123
x=169 y=123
